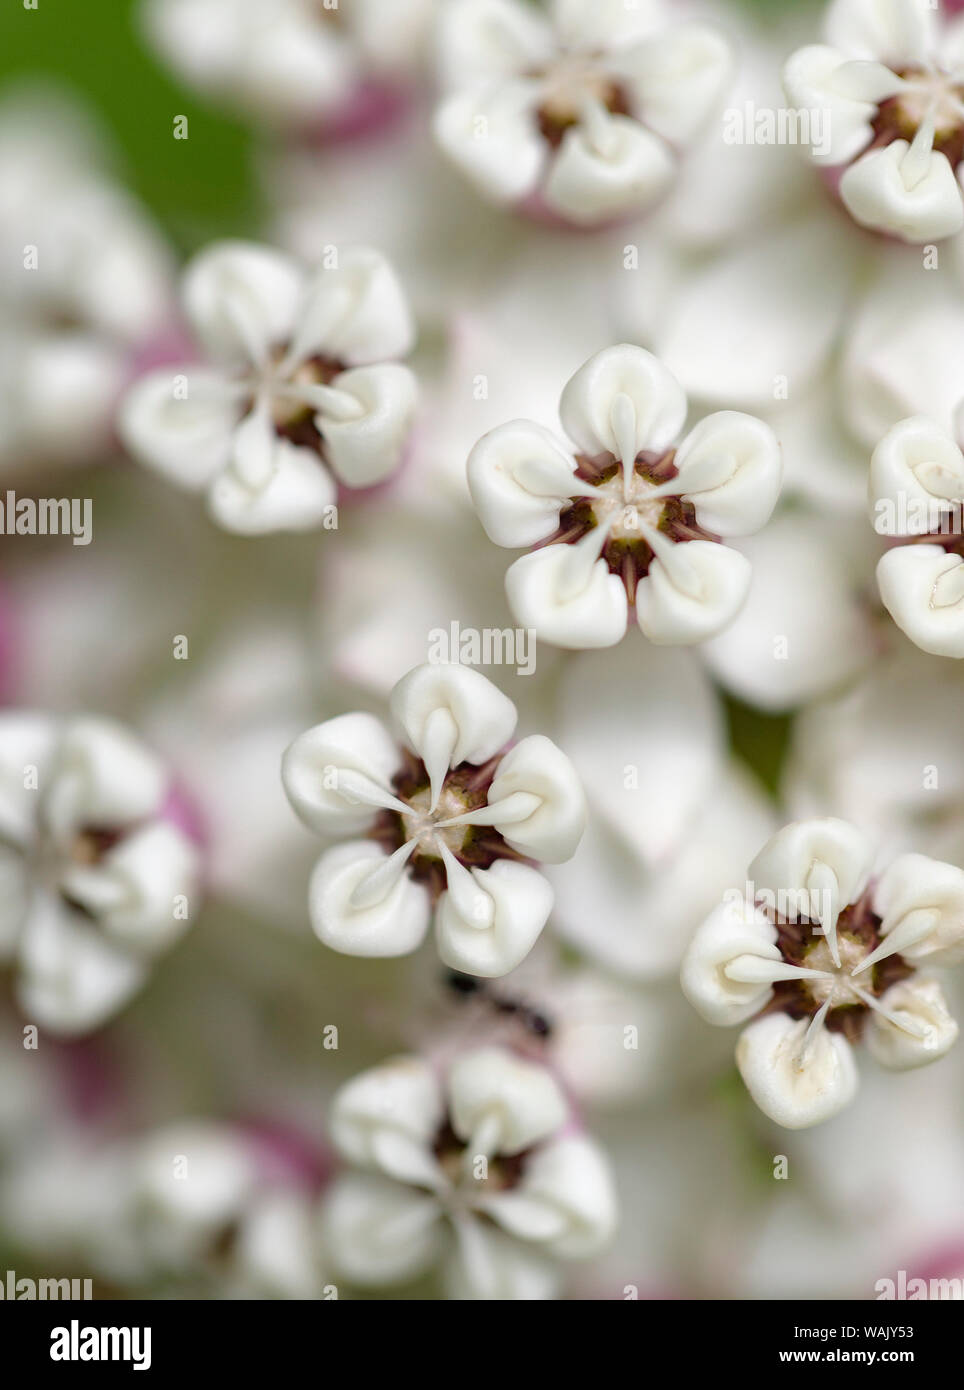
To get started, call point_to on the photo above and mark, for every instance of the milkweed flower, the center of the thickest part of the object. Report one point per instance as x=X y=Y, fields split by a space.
x=453 y=820
x=297 y=389
x=890 y=83
x=194 y=1208
x=821 y=953
x=583 y=110
x=917 y=495
x=97 y=874
x=626 y=517
x=303 y=64
x=479 y=1166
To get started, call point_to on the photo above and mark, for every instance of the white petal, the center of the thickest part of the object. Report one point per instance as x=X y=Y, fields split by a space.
x=929 y=893
x=270 y=484
x=27 y=741
x=566 y=1201
x=552 y=831
x=103 y=778
x=677 y=77
x=897 y=31
x=481 y=39
x=491 y=135
x=922 y=1005
x=71 y=978
x=607 y=166
x=521 y=902
x=886 y=191
x=15 y=886
x=767 y=310
x=922 y=588
x=502 y=1104
x=450 y=715
x=313 y=768
x=132 y=890
x=203 y=1193
x=540 y=593
x=605 y=25
x=486 y=1264
x=804 y=629
x=812 y=870
x=380 y=1232
x=670 y=615
x=242 y=299
x=368 y=447
x=187 y=437
x=387 y=1119
x=811 y=82
x=395 y=926
x=915 y=463
x=586 y=406
x=519 y=477
x=732 y=930
x=355 y=311
x=674 y=754
x=796 y=1091
x=731 y=470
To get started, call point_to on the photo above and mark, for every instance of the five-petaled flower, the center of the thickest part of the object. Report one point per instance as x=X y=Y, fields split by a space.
x=453 y=820
x=627 y=519
x=917 y=495
x=97 y=875
x=890 y=81
x=477 y=1164
x=821 y=952
x=582 y=112
x=298 y=386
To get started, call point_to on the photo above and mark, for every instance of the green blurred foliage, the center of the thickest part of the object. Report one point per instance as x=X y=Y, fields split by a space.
x=199 y=187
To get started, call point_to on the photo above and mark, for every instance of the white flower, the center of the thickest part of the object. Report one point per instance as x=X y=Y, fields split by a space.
x=917 y=494
x=84 y=287
x=821 y=953
x=97 y=877
x=453 y=821
x=196 y=1208
x=584 y=110
x=296 y=387
x=302 y=63
x=486 y=1149
x=890 y=84
x=627 y=517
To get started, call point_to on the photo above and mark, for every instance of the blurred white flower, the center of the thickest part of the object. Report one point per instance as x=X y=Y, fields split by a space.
x=454 y=820
x=297 y=392
x=85 y=284
x=629 y=518
x=486 y=1150
x=98 y=876
x=581 y=111
x=789 y=955
x=886 y=755
x=890 y=82
x=196 y=1209
x=306 y=64
x=917 y=495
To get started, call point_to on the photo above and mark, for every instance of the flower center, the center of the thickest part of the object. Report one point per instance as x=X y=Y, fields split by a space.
x=928 y=96
x=572 y=85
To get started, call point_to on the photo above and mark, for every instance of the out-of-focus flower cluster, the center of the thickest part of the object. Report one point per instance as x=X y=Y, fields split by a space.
x=667 y=300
